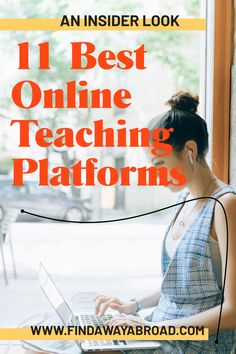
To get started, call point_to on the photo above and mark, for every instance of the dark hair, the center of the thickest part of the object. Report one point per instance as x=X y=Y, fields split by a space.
x=187 y=124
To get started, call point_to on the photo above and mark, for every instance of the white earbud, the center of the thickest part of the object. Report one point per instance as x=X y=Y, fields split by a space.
x=190 y=155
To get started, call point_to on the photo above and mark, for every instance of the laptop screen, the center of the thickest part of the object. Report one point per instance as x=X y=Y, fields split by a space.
x=54 y=296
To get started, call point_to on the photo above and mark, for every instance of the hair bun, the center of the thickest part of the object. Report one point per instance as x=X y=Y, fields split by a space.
x=184 y=101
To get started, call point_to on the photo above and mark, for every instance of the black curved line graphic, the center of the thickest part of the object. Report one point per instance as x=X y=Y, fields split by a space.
x=149 y=213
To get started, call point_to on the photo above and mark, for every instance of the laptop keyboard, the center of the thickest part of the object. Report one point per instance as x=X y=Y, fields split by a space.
x=93 y=320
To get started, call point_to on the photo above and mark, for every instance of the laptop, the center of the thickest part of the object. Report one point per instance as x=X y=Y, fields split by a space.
x=68 y=317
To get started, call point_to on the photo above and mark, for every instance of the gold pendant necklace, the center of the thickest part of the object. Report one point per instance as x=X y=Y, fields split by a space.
x=181 y=222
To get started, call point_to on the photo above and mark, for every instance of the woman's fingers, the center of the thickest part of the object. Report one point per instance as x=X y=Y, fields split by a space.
x=99 y=300
x=122 y=322
x=115 y=320
x=96 y=297
x=125 y=320
x=113 y=323
x=102 y=303
x=104 y=306
x=117 y=307
x=112 y=303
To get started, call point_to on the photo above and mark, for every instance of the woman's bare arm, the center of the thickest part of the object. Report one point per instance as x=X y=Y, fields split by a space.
x=150 y=300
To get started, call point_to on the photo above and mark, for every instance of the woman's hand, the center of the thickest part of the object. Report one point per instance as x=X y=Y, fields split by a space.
x=102 y=303
x=127 y=320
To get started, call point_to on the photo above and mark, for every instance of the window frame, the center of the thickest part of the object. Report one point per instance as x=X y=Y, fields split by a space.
x=221 y=96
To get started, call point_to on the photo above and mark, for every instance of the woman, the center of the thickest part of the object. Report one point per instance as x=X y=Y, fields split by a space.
x=194 y=247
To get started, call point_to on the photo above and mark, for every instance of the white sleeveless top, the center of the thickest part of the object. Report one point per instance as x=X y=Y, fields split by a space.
x=171 y=246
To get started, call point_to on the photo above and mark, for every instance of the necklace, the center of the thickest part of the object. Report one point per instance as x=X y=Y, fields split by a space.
x=181 y=222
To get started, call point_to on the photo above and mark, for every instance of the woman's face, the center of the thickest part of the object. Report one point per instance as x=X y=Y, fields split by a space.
x=171 y=161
